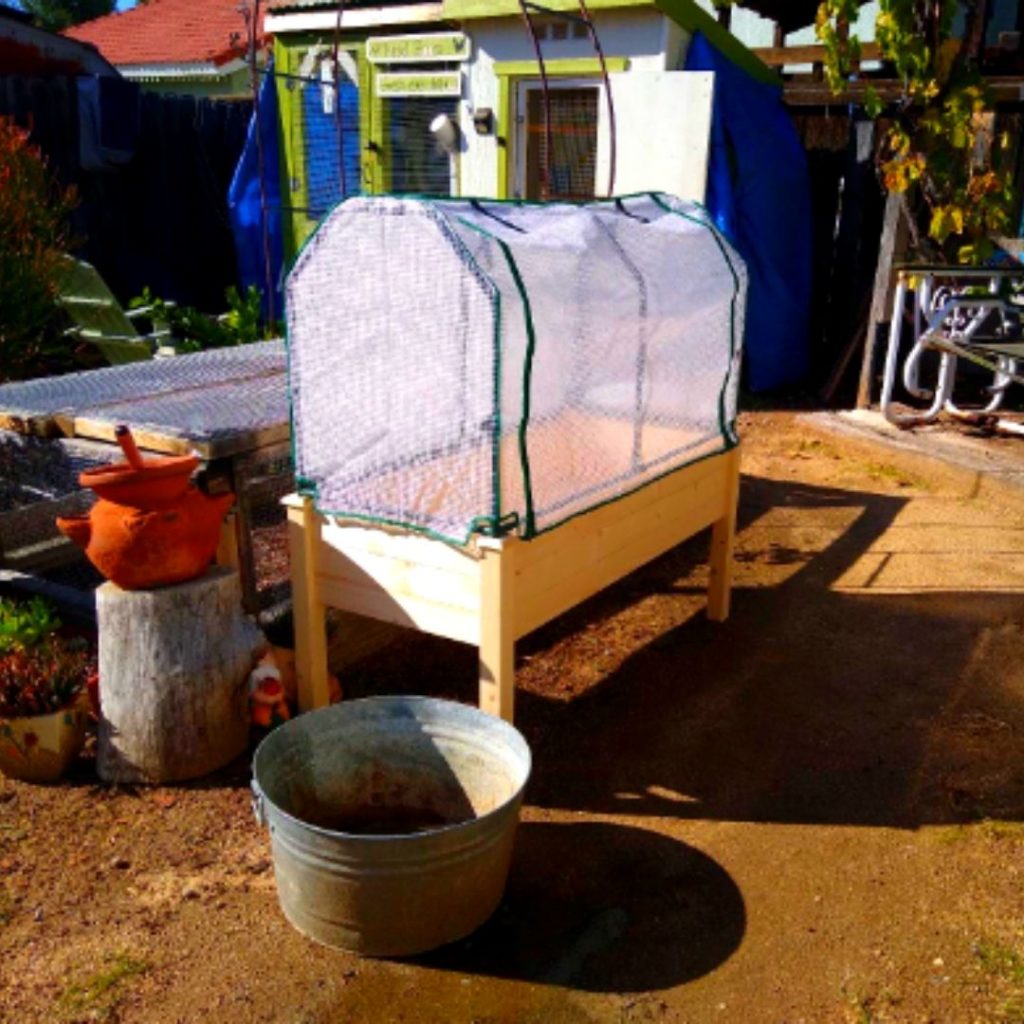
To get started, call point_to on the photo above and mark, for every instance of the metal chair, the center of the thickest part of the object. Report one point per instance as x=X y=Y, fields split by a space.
x=956 y=322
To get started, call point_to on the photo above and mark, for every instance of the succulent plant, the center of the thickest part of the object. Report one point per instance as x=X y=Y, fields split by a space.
x=43 y=678
x=24 y=624
x=40 y=671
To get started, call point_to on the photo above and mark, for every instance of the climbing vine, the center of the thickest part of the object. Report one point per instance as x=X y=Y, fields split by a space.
x=939 y=149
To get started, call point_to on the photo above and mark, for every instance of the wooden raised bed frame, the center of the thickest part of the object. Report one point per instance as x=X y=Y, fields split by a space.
x=493 y=591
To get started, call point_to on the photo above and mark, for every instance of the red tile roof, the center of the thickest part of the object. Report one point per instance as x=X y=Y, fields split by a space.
x=168 y=32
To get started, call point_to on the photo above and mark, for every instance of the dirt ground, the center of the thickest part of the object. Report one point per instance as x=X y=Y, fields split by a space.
x=814 y=812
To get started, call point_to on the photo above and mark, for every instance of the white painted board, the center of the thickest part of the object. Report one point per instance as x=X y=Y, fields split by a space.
x=663 y=133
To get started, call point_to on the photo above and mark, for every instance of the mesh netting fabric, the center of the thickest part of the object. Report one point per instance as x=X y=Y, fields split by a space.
x=461 y=365
x=204 y=397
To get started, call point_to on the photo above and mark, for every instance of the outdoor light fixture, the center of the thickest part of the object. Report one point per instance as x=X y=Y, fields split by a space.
x=446 y=133
x=483 y=120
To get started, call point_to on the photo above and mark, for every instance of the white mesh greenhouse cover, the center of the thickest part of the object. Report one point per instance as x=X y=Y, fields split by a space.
x=464 y=365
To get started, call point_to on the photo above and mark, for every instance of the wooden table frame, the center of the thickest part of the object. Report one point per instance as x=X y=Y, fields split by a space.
x=494 y=591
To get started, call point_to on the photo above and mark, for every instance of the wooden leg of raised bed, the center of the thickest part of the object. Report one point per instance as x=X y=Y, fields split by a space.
x=497 y=630
x=308 y=610
x=722 y=534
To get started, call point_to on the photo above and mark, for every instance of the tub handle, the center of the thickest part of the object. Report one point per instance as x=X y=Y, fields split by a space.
x=257 y=805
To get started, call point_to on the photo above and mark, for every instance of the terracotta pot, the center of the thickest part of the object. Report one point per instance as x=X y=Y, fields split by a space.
x=139 y=549
x=150 y=482
x=40 y=748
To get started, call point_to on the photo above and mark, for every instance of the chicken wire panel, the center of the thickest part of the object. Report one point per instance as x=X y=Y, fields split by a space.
x=460 y=362
x=76 y=393
x=572 y=124
x=392 y=335
x=221 y=416
x=38 y=482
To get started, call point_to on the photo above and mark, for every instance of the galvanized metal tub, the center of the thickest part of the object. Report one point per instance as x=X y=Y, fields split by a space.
x=391 y=820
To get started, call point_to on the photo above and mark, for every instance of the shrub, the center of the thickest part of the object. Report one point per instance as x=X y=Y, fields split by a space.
x=33 y=234
x=940 y=151
x=43 y=678
x=40 y=671
x=194 y=331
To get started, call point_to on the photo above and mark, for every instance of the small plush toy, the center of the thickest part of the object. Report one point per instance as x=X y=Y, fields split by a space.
x=267 y=704
x=272 y=688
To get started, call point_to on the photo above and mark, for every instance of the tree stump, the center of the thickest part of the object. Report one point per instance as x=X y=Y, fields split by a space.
x=173 y=665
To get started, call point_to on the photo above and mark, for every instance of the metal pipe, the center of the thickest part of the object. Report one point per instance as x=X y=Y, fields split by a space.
x=922 y=307
x=251 y=16
x=338 y=126
x=548 y=139
x=613 y=142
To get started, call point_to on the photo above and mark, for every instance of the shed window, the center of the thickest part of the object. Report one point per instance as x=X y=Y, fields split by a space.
x=416 y=162
x=573 y=138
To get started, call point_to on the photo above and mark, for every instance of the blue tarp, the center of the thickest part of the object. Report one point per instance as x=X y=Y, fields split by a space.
x=244 y=202
x=320 y=141
x=759 y=197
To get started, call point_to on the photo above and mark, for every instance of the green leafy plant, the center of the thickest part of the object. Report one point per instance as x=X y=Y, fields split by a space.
x=43 y=678
x=33 y=235
x=40 y=671
x=194 y=331
x=95 y=997
x=24 y=624
x=1000 y=960
x=243 y=316
x=941 y=152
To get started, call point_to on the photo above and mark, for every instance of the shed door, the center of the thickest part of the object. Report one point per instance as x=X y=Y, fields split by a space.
x=574 y=106
x=330 y=135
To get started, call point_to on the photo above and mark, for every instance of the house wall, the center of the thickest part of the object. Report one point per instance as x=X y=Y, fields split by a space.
x=644 y=38
x=676 y=108
x=229 y=87
x=1003 y=19
x=635 y=40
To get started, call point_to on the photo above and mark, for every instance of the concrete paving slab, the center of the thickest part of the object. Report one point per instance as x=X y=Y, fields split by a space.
x=995 y=458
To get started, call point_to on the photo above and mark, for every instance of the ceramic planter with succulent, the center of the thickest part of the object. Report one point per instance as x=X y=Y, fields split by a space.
x=42 y=693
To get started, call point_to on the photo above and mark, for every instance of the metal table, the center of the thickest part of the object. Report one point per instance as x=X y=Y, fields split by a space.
x=948 y=306
x=230 y=406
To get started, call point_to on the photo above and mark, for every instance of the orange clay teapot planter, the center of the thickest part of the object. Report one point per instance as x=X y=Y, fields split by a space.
x=151 y=526
x=151 y=482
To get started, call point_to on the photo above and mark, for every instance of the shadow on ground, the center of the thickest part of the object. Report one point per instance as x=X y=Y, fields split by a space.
x=604 y=908
x=810 y=705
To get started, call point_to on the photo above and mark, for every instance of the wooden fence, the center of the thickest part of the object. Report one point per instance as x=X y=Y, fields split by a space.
x=160 y=219
x=847 y=207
